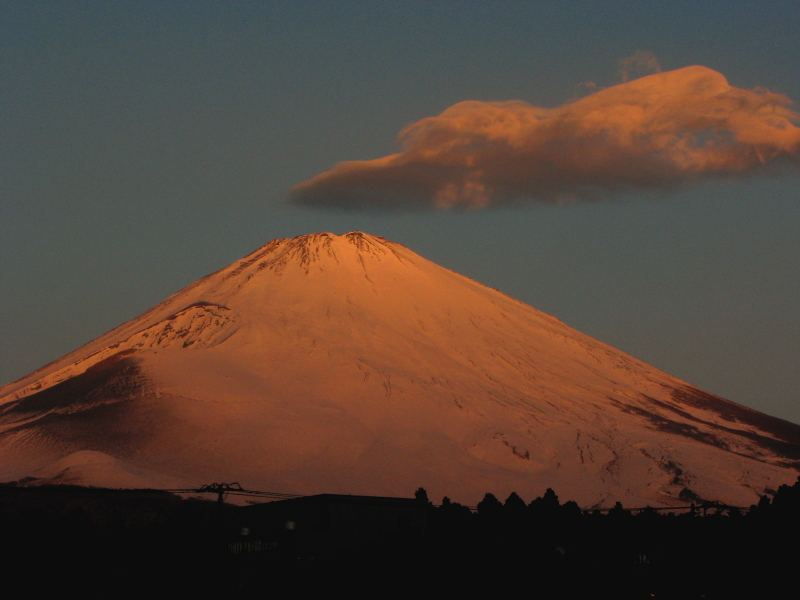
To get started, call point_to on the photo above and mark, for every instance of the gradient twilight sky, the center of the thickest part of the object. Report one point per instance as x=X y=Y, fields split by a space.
x=146 y=144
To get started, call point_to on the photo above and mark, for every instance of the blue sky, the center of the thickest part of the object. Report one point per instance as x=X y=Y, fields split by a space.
x=146 y=144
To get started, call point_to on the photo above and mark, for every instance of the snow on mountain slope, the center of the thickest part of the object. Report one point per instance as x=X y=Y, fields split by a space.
x=197 y=326
x=349 y=364
x=103 y=470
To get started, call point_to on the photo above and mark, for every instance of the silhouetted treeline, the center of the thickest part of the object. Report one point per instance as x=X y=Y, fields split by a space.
x=566 y=552
x=104 y=542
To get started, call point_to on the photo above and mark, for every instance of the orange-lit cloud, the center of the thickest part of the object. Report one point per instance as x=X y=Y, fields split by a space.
x=655 y=132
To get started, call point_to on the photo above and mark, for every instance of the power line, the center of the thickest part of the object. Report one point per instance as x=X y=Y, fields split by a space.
x=224 y=489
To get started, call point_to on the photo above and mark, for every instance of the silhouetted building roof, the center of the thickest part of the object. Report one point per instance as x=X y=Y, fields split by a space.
x=315 y=525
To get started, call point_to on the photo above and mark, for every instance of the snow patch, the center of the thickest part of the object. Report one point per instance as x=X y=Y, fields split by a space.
x=87 y=467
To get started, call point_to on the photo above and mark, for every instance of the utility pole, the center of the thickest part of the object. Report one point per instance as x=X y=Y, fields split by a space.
x=220 y=489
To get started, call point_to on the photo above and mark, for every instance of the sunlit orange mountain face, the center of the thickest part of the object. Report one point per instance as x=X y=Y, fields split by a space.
x=350 y=364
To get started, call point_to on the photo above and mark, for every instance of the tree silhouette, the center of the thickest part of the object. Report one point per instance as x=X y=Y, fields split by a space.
x=490 y=507
x=619 y=512
x=514 y=506
x=571 y=511
x=545 y=507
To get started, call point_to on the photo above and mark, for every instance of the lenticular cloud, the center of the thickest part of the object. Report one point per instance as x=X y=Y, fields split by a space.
x=655 y=132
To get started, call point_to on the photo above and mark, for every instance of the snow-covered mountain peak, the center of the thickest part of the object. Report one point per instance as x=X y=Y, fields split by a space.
x=310 y=247
x=314 y=253
x=350 y=364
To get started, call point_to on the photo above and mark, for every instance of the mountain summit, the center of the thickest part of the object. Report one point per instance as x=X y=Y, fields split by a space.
x=350 y=364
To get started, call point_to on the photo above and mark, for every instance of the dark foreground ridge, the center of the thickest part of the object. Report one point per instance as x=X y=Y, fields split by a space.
x=102 y=542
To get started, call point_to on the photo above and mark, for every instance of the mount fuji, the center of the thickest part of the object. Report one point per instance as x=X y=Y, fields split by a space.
x=349 y=364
